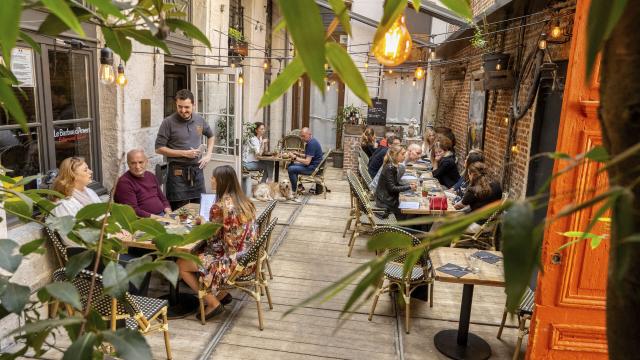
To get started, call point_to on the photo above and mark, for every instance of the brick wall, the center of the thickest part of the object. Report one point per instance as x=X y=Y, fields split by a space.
x=453 y=109
x=350 y=145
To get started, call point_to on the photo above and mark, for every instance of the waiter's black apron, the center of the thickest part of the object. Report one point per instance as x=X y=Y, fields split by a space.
x=184 y=181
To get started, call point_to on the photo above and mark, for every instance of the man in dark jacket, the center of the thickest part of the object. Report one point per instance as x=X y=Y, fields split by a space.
x=375 y=163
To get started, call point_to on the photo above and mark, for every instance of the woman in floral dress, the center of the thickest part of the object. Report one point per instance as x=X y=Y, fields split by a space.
x=221 y=253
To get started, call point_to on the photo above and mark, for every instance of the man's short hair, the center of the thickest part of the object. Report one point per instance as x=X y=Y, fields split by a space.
x=185 y=94
x=390 y=138
x=414 y=147
x=135 y=151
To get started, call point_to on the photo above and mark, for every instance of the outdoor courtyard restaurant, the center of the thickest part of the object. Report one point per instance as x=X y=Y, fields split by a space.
x=348 y=179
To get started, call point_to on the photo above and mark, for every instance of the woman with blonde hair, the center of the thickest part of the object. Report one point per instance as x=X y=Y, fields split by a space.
x=73 y=177
x=220 y=255
x=428 y=143
x=389 y=187
x=368 y=142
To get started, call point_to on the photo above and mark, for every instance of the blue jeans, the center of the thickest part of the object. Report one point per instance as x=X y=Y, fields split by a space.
x=265 y=166
x=295 y=170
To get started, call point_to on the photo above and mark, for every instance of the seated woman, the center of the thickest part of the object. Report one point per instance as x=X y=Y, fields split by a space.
x=428 y=144
x=473 y=156
x=220 y=254
x=389 y=187
x=368 y=142
x=256 y=147
x=445 y=168
x=482 y=191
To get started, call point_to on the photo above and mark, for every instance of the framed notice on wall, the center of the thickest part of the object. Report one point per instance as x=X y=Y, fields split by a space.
x=22 y=66
x=377 y=112
x=477 y=111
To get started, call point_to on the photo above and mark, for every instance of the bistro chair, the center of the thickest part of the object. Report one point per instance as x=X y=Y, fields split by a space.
x=421 y=274
x=147 y=315
x=485 y=237
x=161 y=176
x=524 y=313
x=363 y=171
x=253 y=284
x=59 y=248
x=317 y=176
x=262 y=221
x=363 y=155
x=292 y=143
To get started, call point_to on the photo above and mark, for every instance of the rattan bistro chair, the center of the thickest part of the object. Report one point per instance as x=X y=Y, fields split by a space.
x=363 y=155
x=317 y=176
x=144 y=314
x=253 y=284
x=292 y=143
x=485 y=237
x=524 y=313
x=421 y=274
x=262 y=221
x=59 y=248
x=363 y=171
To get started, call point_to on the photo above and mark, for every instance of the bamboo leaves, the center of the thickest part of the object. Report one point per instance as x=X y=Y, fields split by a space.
x=341 y=62
x=603 y=17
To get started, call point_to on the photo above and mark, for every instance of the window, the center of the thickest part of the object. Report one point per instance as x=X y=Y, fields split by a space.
x=404 y=99
x=215 y=101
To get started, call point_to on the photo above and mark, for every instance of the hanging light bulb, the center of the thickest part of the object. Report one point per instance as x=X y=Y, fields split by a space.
x=542 y=43
x=233 y=65
x=265 y=65
x=106 y=73
x=514 y=149
x=432 y=55
x=419 y=73
x=328 y=86
x=240 y=79
x=414 y=82
x=121 y=79
x=395 y=46
x=326 y=66
x=506 y=120
x=366 y=64
x=390 y=71
x=556 y=30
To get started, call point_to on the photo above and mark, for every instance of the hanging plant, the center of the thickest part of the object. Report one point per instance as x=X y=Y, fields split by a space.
x=479 y=40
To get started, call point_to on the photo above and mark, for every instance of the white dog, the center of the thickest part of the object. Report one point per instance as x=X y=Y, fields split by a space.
x=280 y=191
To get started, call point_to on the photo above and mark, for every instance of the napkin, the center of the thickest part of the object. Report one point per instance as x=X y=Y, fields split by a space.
x=453 y=270
x=409 y=205
x=487 y=257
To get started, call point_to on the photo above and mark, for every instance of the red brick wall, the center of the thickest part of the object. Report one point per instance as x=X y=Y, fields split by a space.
x=350 y=144
x=453 y=109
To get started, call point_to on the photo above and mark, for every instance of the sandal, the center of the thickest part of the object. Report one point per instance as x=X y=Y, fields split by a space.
x=215 y=312
x=226 y=300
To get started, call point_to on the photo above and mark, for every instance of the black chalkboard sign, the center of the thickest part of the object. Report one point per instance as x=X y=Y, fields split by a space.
x=377 y=113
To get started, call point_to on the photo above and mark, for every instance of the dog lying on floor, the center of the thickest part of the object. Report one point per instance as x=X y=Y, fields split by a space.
x=280 y=191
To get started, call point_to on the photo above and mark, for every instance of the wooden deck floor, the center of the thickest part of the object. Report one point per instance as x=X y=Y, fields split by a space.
x=309 y=253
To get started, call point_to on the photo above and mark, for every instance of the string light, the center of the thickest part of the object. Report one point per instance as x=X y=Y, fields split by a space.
x=328 y=86
x=121 y=80
x=366 y=64
x=106 y=73
x=390 y=71
x=419 y=73
x=542 y=43
x=432 y=55
x=265 y=65
x=556 y=30
x=395 y=45
x=506 y=120
x=240 y=79
x=326 y=66
x=514 y=149
x=414 y=82
x=498 y=67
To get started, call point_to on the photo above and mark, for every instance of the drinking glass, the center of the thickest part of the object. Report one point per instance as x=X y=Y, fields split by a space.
x=474 y=265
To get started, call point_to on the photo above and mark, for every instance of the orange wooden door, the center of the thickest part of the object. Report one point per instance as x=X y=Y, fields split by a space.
x=569 y=319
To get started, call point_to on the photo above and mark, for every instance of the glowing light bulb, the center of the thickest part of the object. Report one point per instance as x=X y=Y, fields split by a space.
x=233 y=66
x=498 y=67
x=556 y=31
x=432 y=55
x=107 y=73
x=326 y=66
x=542 y=43
x=506 y=120
x=328 y=86
x=414 y=82
x=419 y=73
x=121 y=80
x=514 y=149
x=265 y=65
x=395 y=46
x=366 y=65
x=390 y=72
x=240 y=79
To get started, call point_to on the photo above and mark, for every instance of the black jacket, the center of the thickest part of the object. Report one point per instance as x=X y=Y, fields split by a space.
x=389 y=188
x=375 y=162
x=447 y=171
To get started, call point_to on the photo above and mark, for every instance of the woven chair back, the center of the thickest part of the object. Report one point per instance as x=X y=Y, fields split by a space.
x=363 y=171
x=399 y=254
x=59 y=247
x=363 y=155
x=258 y=247
x=292 y=143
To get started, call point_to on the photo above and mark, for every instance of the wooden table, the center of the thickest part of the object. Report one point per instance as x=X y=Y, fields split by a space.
x=276 y=163
x=460 y=343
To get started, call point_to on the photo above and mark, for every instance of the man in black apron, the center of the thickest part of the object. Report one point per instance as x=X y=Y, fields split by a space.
x=179 y=139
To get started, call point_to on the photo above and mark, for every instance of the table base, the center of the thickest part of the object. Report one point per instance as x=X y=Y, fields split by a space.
x=185 y=305
x=446 y=342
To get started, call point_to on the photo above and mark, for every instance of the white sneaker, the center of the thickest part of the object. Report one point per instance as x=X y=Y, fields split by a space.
x=297 y=199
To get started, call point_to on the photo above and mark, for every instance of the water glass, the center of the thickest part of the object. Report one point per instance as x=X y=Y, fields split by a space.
x=474 y=265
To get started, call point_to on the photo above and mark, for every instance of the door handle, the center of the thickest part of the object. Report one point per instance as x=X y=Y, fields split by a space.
x=556 y=258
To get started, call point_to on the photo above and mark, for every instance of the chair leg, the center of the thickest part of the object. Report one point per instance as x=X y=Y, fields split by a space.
x=260 y=321
x=521 y=322
x=348 y=225
x=407 y=306
x=269 y=268
x=265 y=286
x=375 y=299
x=202 y=315
x=165 y=324
x=352 y=241
x=504 y=319
x=431 y=294
x=55 y=306
x=325 y=189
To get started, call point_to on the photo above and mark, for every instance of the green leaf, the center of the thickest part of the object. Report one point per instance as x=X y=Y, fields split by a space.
x=118 y=42
x=613 y=191
x=147 y=38
x=520 y=244
x=9 y=258
x=9 y=26
x=78 y=262
x=62 y=10
x=598 y=154
x=416 y=5
x=114 y=278
x=412 y=258
x=388 y=240
x=169 y=270
x=124 y=215
x=626 y=154
x=595 y=242
x=306 y=29
x=558 y=155
x=134 y=277
x=189 y=30
x=166 y=241
x=92 y=211
x=392 y=10
x=149 y=226
x=89 y=235
x=129 y=344
x=107 y=8
x=461 y=8
x=11 y=104
x=376 y=271
x=15 y=297
x=32 y=246
x=45 y=192
x=44 y=324
x=65 y=292
x=342 y=63
x=603 y=17
x=184 y=255
x=82 y=347
x=63 y=225
x=282 y=83
x=201 y=232
x=341 y=11
x=281 y=25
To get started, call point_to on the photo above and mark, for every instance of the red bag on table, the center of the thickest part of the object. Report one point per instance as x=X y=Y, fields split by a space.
x=438 y=203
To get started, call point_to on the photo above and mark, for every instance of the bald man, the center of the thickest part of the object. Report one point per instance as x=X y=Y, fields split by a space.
x=139 y=188
x=304 y=164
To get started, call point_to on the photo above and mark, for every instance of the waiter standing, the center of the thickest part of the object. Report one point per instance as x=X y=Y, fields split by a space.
x=179 y=139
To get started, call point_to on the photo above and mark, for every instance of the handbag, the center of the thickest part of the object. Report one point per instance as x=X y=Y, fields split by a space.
x=438 y=203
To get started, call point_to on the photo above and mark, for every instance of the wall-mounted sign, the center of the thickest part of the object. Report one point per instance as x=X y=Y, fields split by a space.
x=377 y=112
x=22 y=66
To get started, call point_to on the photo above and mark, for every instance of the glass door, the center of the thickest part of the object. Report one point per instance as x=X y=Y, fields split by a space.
x=219 y=101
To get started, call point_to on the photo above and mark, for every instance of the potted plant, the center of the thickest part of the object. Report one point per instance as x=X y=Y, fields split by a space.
x=183 y=214
x=238 y=47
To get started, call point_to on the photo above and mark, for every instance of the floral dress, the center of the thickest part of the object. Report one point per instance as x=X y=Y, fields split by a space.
x=222 y=252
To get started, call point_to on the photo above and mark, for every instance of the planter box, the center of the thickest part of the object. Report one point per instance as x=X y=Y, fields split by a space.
x=350 y=129
x=338 y=158
x=238 y=48
x=490 y=61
